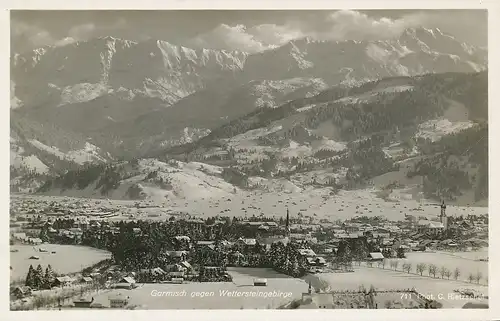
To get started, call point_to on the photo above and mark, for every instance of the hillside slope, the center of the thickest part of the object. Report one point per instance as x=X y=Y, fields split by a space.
x=356 y=134
x=424 y=133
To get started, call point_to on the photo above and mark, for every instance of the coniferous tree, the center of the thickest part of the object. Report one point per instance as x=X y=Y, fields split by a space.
x=30 y=281
x=49 y=277
x=38 y=277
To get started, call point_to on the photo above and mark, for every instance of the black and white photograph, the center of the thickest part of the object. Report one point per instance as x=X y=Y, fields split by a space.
x=248 y=159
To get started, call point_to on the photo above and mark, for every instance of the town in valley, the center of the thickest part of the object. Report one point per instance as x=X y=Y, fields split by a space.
x=249 y=160
x=175 y=252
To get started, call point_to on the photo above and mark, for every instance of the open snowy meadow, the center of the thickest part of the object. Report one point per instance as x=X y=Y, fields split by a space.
x=441 y=290
x=66 y=259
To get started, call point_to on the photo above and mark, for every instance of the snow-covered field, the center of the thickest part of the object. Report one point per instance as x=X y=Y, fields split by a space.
x=67 y=259
x=452 y=261
x=441 y=290
x=211 y=200
x=281 y=289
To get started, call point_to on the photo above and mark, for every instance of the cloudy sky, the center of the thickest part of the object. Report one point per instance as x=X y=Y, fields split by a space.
x=251 y=31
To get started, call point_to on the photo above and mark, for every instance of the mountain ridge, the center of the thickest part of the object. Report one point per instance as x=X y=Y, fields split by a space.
x=134 y=99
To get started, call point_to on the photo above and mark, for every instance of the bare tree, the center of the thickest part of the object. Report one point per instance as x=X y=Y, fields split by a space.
x=432 y=270
x=471 y=277
x=456 y=274
x=443 y=271
x=448 y=274
x=421 y=268
x=479 y=277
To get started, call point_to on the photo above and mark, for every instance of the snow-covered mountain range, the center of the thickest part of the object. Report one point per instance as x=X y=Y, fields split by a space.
x=108 y=98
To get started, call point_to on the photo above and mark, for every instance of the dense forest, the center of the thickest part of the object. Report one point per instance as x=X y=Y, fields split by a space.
x=455 y=163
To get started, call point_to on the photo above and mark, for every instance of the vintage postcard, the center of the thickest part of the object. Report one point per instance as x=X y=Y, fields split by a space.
x=244 y=159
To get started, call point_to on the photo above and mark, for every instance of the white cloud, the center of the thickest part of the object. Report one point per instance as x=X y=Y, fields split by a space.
x=65 y=41
x=239 y=37
x=230 y=38
x=32 y=34
x=38 y=37
x=271 y=34
x=81 y=32
x=348 y=24
x=339 y=25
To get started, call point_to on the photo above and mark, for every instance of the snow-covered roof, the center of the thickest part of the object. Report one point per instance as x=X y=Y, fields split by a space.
x=64 y=279
x=248 y=241
x=205 y=242
x=318 y=259
x=128 y=280
x=176 y=253
x=306 y=252
x=430 y=224
x=376 y=255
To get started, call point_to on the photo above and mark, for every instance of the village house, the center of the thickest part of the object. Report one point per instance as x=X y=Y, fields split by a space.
x=260 y=282
x=352 y=228
x=125 y=283
x=376 y=256
x=86 y=280
x=118 y=301
x=205 y=244
x=35 y=241
x=243 y=245
x=82 y=302
x=20 y=292
x=312 y=258
x=306 y=252
x=177 y=256
x=188 y=268
x=176 y=275
x=62 y=281
x=317 y=300
x=317 y=261
x=430 y=227
x=381 y=232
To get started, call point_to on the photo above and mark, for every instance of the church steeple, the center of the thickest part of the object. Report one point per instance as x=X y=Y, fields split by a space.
x=443 y=209
x=443 y=218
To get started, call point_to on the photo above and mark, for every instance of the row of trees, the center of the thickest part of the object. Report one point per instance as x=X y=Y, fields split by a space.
x=431 y=269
